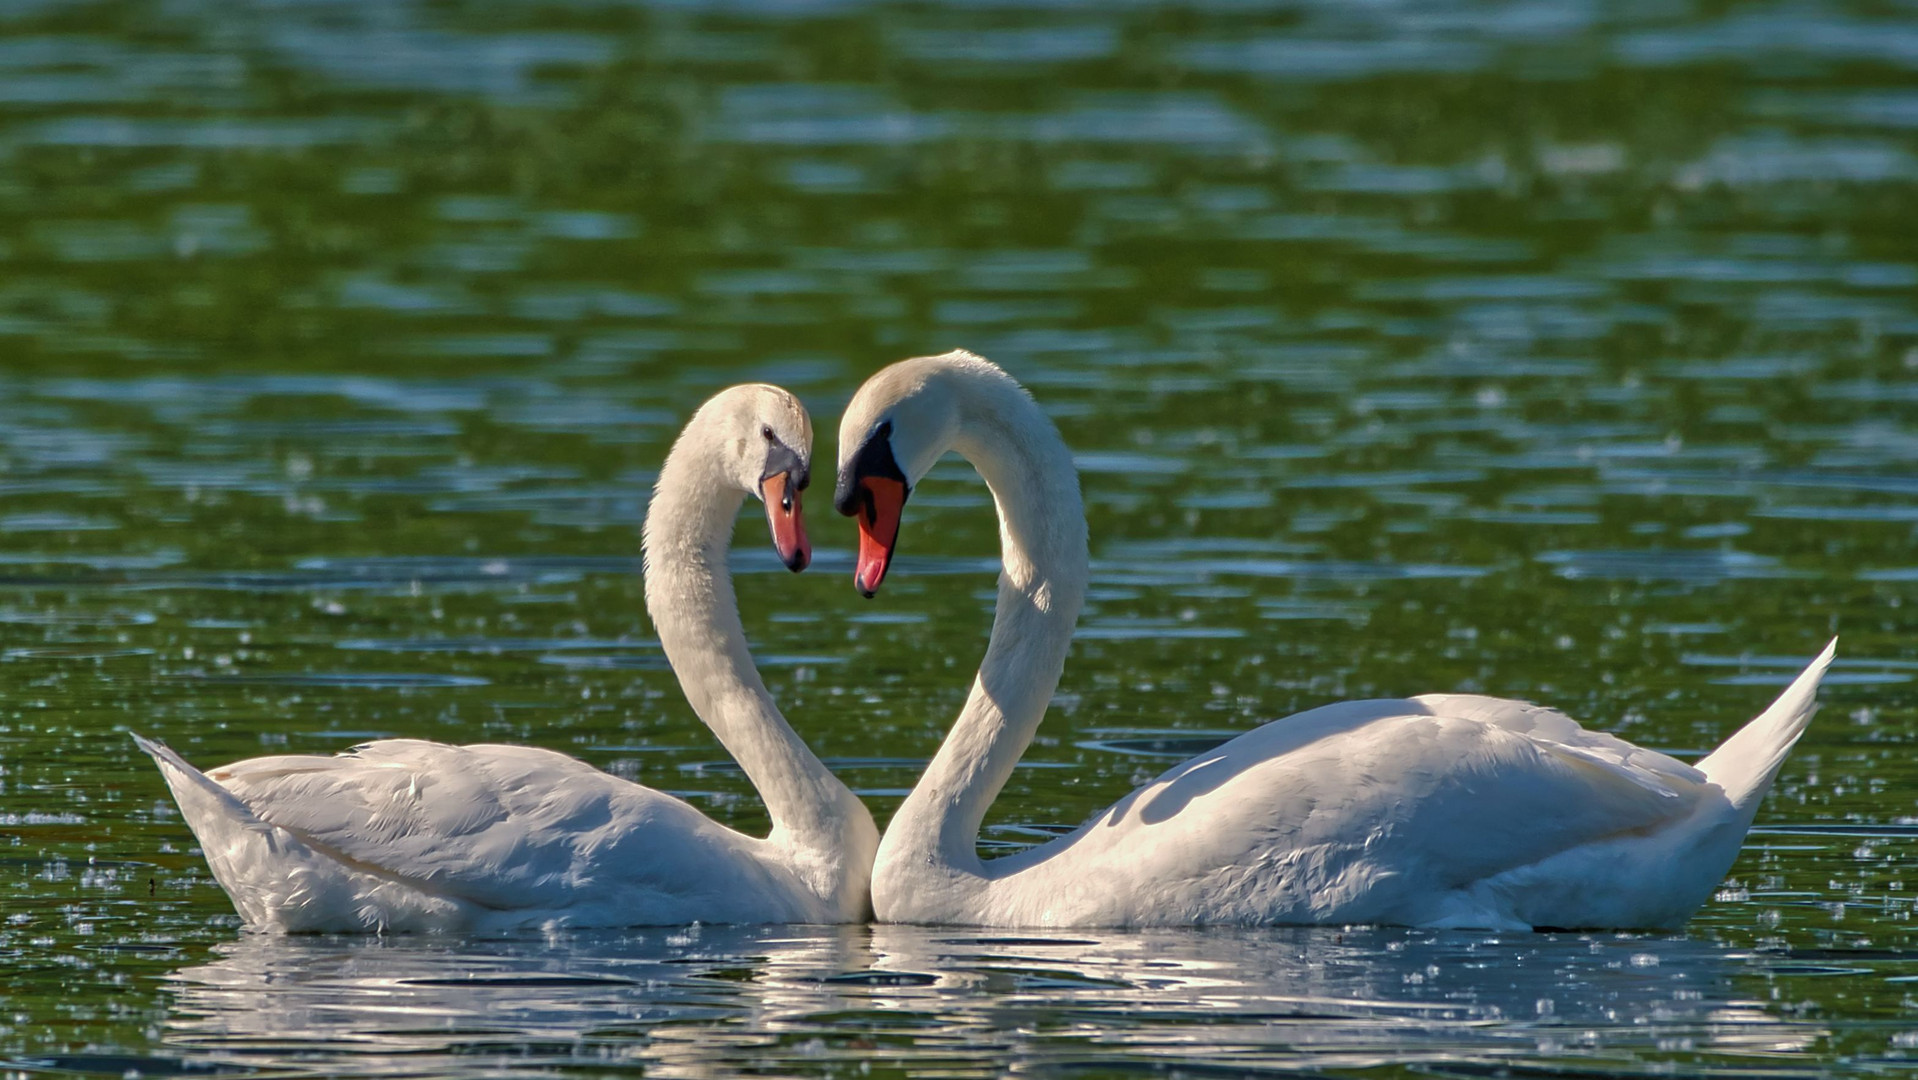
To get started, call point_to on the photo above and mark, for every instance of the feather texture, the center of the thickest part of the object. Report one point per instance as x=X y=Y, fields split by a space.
x=408 y=835
x=1442 y=810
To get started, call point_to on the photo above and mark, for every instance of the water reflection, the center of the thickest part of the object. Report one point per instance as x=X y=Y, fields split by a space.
x=707 y=1000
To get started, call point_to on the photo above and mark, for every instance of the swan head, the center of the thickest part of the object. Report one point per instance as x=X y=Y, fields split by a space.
x=765 y=440
x=899 y=424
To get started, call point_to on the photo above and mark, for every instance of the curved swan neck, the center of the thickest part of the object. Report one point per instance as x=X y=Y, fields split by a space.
x=689 y=594
x=1042 y=582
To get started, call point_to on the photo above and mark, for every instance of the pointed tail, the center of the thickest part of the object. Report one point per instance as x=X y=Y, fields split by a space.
x=188 y=783
x=1745 y=763
x=240 y=849
x=217 y=817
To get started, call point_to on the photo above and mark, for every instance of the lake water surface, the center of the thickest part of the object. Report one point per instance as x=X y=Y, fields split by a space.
x=1563 y=350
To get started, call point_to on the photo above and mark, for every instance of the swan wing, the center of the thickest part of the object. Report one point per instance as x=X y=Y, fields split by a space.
x=1365 y=810
x=502 y=827
x=1558 y=734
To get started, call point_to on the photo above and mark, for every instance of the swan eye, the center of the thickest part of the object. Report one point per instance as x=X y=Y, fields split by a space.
x=767 y=431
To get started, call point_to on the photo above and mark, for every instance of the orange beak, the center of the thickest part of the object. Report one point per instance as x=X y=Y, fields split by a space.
x=787 y=523
x=881 y=501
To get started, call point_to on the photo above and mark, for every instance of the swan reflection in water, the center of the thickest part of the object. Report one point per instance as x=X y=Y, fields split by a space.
x=705 y=1001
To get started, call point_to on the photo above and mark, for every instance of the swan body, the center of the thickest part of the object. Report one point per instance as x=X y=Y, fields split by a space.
x=410 y=835
x=407 y=835
x=1444 y=810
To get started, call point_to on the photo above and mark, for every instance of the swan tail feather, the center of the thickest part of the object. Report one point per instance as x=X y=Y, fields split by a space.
x=231 y=835
x=1745 y=764
x=195 y=790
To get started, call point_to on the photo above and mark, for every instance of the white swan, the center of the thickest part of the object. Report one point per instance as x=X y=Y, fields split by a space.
x=407 y=835
x=1442 y=810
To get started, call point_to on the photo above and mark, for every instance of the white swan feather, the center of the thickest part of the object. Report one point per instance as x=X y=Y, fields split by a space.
x=410 y=835
x=1445 y=810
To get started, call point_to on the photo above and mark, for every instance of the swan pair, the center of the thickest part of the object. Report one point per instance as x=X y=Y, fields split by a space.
x=1442 y=810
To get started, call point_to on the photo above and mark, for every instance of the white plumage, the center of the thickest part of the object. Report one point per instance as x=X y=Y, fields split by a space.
x=1439 y=810
x=1445 y=810
x=408 y=835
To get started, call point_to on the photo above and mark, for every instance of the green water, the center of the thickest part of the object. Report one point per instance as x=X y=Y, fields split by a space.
x=1566 y=351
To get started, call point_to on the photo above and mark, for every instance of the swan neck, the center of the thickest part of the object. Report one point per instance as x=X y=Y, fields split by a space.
x=689 y=595
x=1042 y=582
